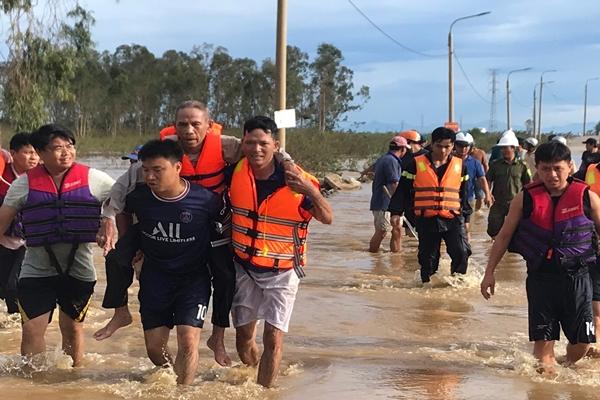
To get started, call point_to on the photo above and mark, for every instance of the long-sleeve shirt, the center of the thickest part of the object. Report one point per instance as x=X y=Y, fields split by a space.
x=400 y=200
x=507 y=178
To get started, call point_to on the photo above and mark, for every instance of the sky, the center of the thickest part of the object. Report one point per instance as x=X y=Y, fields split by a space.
x=408 y=90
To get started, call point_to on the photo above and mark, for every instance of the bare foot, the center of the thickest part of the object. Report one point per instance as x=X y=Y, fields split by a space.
x=593 y=352
x=215 y=343
x=120 y=319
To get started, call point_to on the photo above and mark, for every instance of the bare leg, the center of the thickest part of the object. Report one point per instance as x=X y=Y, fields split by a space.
x=576 y=351
x=271 y=357
x=32 y=335
x=245 y=342
x=376 y=240
x=396 y=240
x=216 y=342
x=120 y=319
x=157 y=345
x=543 y=350
x=186 y=362
x=72 y=337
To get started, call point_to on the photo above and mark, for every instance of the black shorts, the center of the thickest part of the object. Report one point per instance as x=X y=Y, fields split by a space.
x=561 y=300
x=168 y=299
x=595 y=276
x=38 y=296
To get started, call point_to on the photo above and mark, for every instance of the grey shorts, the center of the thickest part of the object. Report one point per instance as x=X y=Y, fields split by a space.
x=381 y=221
x=266 y=296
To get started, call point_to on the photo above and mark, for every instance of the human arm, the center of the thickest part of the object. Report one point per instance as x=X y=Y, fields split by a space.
x=488 y=199
x=595 y=210
x=525 y=175
x=7 y=215
x=321 y=209
x=515 y=213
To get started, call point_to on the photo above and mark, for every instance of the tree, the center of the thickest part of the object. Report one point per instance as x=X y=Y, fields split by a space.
x=332 y=86
x=597 y=129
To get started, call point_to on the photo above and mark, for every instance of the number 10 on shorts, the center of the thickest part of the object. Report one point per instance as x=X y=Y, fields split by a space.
x=202 y=309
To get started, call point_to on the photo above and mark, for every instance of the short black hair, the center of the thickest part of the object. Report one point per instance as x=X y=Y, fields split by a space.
x=156 y=148
x=19 y=140
x=552 y=152
x=263 y=123
x=442 y=133
x=41 y=137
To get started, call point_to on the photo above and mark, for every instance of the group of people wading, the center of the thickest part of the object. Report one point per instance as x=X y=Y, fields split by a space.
x=539 y=208
x=207 y=213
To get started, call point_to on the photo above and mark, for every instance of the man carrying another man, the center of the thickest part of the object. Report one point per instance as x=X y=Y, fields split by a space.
x=271 y=211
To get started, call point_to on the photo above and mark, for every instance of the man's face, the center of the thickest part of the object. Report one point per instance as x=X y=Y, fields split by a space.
x=259 y=146
x=553 y=175
x=161 y=174
x=590 y=147
x=25 y=158
x=442 y=148
x=461 y=149
x=58 y=155
x=508 y=152
x=414 y=146
x=191 y=125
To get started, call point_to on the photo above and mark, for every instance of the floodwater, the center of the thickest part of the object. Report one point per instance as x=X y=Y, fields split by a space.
x=362 y=328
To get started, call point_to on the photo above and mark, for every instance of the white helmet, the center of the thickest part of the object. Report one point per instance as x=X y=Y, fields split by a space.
x=464 y=137
x=508 y=139
x=560 y=139
x=532 y=141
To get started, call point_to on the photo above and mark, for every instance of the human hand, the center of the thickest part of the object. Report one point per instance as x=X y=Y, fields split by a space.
x=299 y=184
x=488 y=282
x=106 y=235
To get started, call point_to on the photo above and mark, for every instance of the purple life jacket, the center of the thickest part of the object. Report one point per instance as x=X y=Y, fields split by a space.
x=563 y=232
x=69 y=214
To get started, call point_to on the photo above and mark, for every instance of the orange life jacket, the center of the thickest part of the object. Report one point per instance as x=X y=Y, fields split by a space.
x=432 y=197
x=592 y=178
x=209 y=171
x=273 y=234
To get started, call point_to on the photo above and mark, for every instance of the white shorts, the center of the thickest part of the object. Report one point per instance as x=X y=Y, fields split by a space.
x=265 y=296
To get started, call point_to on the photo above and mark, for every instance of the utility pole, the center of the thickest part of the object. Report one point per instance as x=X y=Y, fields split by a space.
x=540 y=101
x=281 y=62
x=533 y=132
x=493 y=107
x=585 y=103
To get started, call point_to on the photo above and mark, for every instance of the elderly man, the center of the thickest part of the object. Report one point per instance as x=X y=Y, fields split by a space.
x=270 y=228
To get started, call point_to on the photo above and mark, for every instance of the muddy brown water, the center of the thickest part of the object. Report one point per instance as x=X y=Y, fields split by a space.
x=362 y=328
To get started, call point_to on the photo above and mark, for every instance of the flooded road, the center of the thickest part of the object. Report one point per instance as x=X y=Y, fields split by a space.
x=361 y=329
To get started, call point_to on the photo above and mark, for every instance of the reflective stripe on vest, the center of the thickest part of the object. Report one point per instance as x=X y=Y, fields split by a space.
x=272 y=235
x=434 y=197
x=69 y=214
x=210 y=167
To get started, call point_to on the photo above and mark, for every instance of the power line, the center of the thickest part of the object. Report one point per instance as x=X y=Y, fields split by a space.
x=469 y=80
x=393 y=39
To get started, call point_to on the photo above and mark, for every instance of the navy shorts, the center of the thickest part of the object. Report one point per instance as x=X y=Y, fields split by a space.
x=37 y=296
x=561 y=300
x=168 y=299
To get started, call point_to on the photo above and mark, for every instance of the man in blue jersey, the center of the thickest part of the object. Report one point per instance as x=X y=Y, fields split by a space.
x=175 y=223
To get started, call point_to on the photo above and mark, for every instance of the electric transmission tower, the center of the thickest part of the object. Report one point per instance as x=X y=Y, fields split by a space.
x=494 y=89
